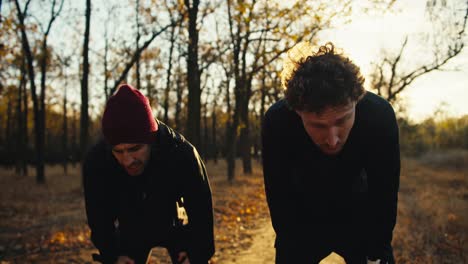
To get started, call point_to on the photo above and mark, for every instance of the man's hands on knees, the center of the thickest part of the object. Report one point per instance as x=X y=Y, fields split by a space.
x=182 y=258
x=124 y=260
x=333 y=258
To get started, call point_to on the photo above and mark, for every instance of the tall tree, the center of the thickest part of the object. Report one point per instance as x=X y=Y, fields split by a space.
x=172 y=39
x=74 y=149
x=65 y=145
x=106 y=63
x=24 y=127
x=137 y=43
x=29 y=59
x=250 y=24
x=205 y=144
x=84 y=117
x=193 y=75
x=38 y=103
x=107 y=72
x=44 y=62
x=214 y=125
x=21 y=160
x=65 y=132
x=180 y=83
x=9 y=121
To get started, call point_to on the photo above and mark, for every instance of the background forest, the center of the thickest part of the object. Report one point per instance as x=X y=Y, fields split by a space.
x=210 y=69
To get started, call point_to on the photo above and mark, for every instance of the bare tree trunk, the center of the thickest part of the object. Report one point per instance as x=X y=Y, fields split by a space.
x=231 y=133
x=229 y=147
x=193 y=75
x=2 y=127
x=256 y=137
x=42 y=113
x=277 y=83
x=106 y=67
x=178 y=123
x=65 y=132
x=233 y=126
x=18 y=124
x=240 y=48
x=9 y=125
x=206 y=135
x=149 y=83
x=44 y=59
x=262 y=103
x=214 y=144
x=244 y=138
x=84 y=120
x=263 y=90
x=244 y=22
x=138 y=36
x=24 y=127
x=175 y=21
x=20 y=149
x=168 y=80
x=30 y=66
x=74 y=135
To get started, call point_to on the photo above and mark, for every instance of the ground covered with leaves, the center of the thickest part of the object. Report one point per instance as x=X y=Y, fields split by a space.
x=47 y=223
x=432 y=224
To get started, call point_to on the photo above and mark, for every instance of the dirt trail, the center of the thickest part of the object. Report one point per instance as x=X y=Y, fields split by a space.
x=262 y=250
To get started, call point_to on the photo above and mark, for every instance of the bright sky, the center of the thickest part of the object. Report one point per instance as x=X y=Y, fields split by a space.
x=364 y=38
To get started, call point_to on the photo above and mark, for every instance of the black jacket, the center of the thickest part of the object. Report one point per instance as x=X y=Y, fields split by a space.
x=346 y=203
x=125 y=212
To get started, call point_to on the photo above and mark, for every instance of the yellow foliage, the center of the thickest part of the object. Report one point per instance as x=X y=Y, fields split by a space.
x=81 y=237
x=59 y=237
x=451 y=217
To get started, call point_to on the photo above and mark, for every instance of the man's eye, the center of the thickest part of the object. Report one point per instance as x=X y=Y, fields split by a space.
x=136 y=148
x=315 y=126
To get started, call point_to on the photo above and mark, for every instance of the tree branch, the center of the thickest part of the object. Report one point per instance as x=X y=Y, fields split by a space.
x=136 y=55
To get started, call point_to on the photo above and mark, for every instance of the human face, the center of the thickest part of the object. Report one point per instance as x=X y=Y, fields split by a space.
x=330 y=128
x=132 y=157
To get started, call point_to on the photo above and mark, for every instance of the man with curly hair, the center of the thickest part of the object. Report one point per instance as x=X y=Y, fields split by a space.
x=331 y=162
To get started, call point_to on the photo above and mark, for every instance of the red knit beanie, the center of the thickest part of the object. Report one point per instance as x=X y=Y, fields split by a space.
x=128 y=118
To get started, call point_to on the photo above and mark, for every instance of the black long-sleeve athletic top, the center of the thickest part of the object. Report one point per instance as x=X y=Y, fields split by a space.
x=125 y=211
x=343 y=203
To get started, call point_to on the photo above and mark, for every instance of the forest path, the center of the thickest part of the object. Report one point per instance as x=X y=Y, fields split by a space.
x=261 y=251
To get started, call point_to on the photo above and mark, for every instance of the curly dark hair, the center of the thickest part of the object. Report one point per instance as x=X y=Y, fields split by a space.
x=324 y=79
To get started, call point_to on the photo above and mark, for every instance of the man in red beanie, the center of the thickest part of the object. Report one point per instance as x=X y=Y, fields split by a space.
x=146 y=186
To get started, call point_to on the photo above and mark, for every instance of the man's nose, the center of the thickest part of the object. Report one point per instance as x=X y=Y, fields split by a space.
x=127 y=159
x=332 y=137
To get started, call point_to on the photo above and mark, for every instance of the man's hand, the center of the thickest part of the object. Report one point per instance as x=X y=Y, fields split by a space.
x=124 y=260
x=183 y=258
x=333 y=258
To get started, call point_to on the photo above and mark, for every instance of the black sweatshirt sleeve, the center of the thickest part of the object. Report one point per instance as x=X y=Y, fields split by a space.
x=383 y=170
x=100 y=213
x=196 y=193
x=277 y=158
